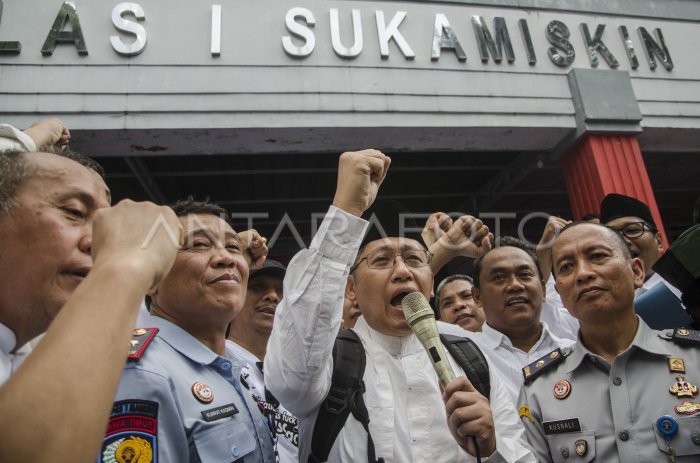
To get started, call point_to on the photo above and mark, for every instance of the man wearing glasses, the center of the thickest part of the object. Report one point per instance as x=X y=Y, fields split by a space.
x=657 y=302
x=409 y=417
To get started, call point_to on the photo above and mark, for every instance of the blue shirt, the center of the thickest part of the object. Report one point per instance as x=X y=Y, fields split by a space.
x=182 y=402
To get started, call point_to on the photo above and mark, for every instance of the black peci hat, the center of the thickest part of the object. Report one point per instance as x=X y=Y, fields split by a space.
x=269 y=267
x=616 y=205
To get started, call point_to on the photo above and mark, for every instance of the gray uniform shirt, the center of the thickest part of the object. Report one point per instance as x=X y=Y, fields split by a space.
x=181 y=402
x=608 y=412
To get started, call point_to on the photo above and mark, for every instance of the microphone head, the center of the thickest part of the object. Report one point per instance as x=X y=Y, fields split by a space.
x=415 y=308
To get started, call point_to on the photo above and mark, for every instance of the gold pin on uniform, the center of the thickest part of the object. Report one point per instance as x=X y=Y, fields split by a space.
x=683 y=388
x=676 y=365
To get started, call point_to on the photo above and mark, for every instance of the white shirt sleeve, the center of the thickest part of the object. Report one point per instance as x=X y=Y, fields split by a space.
x=14 y=139
x=511 y=445
x=298 y=362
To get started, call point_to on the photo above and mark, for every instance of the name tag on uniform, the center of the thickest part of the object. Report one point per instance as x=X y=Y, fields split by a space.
x=561 y=426
x=218 y=413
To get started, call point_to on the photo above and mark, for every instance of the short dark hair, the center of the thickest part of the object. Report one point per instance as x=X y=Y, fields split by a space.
x=507 y=241
x=189 y=205
x=15 y=170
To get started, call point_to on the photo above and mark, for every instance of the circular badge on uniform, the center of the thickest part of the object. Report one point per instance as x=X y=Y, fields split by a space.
x=202 y=392
x=562 y=389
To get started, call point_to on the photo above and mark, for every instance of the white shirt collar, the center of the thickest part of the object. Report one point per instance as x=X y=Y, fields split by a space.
x=494 y=338
x=394 y=345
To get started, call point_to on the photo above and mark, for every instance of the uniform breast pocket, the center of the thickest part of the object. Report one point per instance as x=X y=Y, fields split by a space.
x=572 y=447
x=224 y=443
x=686 y=442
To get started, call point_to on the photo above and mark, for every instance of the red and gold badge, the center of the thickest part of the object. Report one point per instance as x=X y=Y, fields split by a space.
x=562 y=389
x=202 y=392
x=687 y=408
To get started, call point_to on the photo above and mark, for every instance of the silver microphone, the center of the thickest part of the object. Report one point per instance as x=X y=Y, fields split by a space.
x=421 y=319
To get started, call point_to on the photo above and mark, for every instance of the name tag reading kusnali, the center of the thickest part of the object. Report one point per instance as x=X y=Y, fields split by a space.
x=561 y=426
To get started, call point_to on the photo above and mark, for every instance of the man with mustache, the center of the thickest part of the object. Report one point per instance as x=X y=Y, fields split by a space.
x=180 y=397
x=623 y=392
x=410 y=418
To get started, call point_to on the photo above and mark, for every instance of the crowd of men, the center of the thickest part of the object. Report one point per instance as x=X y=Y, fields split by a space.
x=553 y=346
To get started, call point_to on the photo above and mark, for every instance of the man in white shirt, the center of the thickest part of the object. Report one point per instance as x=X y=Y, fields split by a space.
x=250 y=331
x=508 y=283
x=632 y=219
x=410 y=418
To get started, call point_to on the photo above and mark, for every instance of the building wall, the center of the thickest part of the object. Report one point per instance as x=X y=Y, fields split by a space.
x=254 y=91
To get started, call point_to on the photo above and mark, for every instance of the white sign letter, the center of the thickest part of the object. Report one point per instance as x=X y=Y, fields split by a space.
x=131 y=27
x=300 y=31
x=391 y=31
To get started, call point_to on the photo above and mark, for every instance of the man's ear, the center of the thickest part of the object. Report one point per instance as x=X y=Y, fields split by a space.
x=659 y=241
x=475 y=294
x=638 y=272
x=350 y=289
x=544 y=291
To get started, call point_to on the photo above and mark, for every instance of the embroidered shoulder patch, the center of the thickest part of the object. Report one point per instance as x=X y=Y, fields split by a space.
x=536 y=368
x=140 y=340
x=131 y=433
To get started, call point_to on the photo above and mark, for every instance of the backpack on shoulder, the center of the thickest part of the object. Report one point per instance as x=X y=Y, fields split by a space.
x=347 y=389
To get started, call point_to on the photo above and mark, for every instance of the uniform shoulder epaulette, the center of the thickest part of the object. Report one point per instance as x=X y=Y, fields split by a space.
x=140 y=339
x=536 y=368
x=683 y=336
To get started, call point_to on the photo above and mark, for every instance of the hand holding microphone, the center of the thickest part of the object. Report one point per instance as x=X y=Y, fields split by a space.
x=468 y=412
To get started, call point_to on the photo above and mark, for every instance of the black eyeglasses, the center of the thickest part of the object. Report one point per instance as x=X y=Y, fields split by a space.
x=634 y=229
x=386 y=259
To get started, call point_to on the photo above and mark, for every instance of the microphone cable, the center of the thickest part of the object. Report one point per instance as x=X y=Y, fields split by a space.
x=476 y=449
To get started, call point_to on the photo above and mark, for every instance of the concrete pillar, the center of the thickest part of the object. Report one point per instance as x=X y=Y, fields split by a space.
x=605 y=157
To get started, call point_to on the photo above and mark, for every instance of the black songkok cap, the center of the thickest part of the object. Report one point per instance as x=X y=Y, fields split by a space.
x=390 y=219
x=615 y=206
x=269 y=267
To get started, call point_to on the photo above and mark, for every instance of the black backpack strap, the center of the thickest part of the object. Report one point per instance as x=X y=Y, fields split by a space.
x=471 y=359
x=344 y=397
